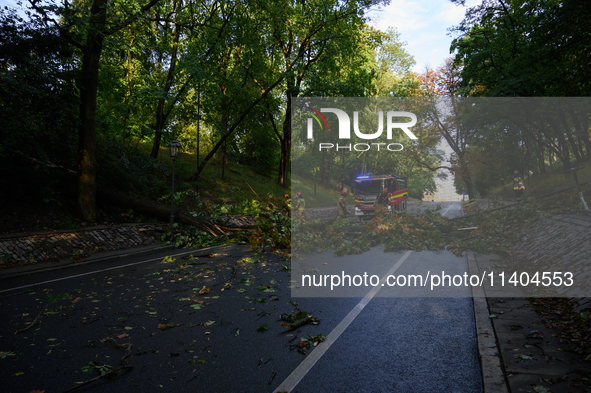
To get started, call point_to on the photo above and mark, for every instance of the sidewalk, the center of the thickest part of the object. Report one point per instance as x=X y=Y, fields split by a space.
x=518 y=351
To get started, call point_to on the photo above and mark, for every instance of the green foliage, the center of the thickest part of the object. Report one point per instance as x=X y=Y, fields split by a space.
x=58 y=296
x=102 y=368
x=543 y=184
x=38 y=106
x=273 y=228
x=37 y=93
x=252 y=207
x=199 y=240
x=307 y=342
x=393 y=65
x=342 y=167
x=77 y=255
x=531 y=48
x=396 y=231
x=168 y=259
x=491 y=233
x=130 y=170
x=179 y=197
x=5 y=354
x=498 y=232
x=538 y=42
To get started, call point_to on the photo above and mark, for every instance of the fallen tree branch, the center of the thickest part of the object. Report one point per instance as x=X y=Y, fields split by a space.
x=158 y=210
x=517 y=203
x=35 y=321
x=107 y=374
x=146 y=207
x=298 y=323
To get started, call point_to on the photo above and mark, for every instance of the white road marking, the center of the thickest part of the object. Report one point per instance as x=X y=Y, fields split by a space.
x=300 y=372
x=97 y=271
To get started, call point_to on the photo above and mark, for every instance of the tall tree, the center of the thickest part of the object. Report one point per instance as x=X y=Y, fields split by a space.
x=87 y=34
x=445 y=108
x=525 y=48
x=308 y=34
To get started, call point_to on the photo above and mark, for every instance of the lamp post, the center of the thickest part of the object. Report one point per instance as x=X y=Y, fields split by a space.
x=174 y=149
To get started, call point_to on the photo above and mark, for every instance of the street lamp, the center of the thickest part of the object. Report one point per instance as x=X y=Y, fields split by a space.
x=174 y=148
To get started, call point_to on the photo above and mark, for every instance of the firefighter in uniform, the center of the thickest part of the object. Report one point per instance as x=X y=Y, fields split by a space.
x=342 y=206
x=381 y=202
x=518 y=186
x=287 y=208
x=301 y=205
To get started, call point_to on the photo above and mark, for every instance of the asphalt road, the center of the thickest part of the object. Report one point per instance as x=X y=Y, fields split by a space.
x=396 y=339
x=152 y=314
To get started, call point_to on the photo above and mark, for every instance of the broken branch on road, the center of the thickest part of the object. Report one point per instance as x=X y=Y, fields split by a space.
x=107 y=374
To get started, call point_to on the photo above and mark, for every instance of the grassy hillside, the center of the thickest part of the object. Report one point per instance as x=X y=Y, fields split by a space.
x=324 y=196
x=239 y=182
x=538 y=185
x=242 y=182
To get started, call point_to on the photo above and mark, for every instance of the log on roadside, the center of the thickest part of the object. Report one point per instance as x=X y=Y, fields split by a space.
x=149 y=208
x=157 y=210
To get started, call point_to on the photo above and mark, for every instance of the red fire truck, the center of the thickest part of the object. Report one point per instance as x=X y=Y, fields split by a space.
x=367 y=188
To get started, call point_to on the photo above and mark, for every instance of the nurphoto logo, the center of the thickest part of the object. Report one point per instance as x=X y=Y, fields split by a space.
x=344 y=130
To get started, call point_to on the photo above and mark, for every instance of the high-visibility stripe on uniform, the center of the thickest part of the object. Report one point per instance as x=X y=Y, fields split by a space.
x=398 y=197
x=302 y=204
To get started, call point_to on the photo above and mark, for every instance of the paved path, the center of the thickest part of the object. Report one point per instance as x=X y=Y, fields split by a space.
x=68 y=332
x=394 y=339
x=91 y=313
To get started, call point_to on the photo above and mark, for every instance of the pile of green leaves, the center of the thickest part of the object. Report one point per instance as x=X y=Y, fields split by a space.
x=487 y=232
x=185 y=237
x=273 y=228
x=499 y=231
x=395 y=231
x=245 y=206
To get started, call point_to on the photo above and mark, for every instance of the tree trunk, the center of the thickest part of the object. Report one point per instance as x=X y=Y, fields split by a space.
x=198 y=131
x=161 y=116
x=329 y=172
x=284 y=161
x=223 y=160
x=158 y=127
x=565 y=156
x=86 y=135
x=465 y=176
x=322 y=166
x=224 y=128
x=158 y=210
x=542 y=161
x=285 y=158
x=233 y=128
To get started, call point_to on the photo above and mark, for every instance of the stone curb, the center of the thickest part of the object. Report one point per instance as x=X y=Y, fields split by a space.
x=493 y=377
x=109 y=256
x=46 y=232
x=54 y=246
